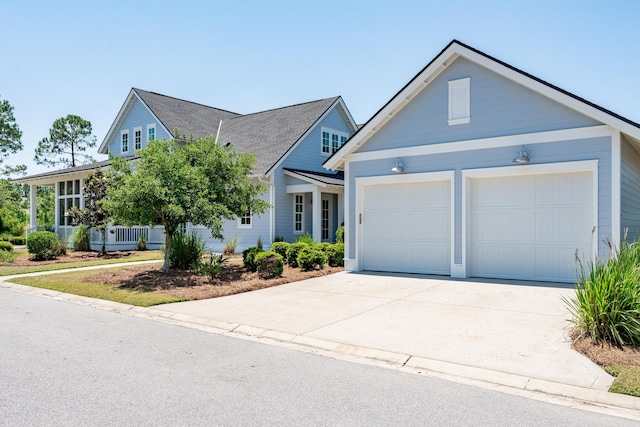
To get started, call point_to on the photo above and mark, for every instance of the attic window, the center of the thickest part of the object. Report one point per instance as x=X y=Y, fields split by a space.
x=460 y=101
x=331 y=140
x=124 y=141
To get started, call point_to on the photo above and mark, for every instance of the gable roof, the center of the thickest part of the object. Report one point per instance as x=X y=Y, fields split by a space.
x=271 y=134
x=336 y=178
x=450 y=53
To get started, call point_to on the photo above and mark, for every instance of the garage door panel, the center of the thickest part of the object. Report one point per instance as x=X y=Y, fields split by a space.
x=498 y=192
x=384 y=197
x=562 y=226
x=563 y=189
x=498 y=226
x=551 y=263
x=427 y=225
x=429 y=258
x=496 y=261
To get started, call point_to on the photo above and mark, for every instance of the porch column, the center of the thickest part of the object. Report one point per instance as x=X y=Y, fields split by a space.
x=340 y=209
x=316 y=215
x=33 y=206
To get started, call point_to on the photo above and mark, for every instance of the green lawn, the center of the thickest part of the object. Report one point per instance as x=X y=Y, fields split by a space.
x=73 y=283
x=627 y=379
x=8 y=270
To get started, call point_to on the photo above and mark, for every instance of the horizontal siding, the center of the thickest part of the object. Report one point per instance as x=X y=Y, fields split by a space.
x=586 y=149
x=137 y=116
x=630 y=191
x=499 y=107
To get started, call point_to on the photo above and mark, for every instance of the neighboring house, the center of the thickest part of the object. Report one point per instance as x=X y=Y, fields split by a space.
x=478 y=169
x=290 y=144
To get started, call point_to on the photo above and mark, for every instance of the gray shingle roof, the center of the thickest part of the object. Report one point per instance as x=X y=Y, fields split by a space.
x=270 y=134
x=58 y=172
x=189 y=117
x=325 y=178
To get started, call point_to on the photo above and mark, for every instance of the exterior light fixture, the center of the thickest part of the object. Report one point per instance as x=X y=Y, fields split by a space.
x=523 y=157
x=398 y=168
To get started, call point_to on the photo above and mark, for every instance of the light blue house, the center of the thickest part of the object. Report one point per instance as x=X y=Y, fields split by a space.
x=290 y=145
x=477 y=169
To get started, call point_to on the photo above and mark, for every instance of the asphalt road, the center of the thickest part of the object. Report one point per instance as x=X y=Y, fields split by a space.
x=72 y=365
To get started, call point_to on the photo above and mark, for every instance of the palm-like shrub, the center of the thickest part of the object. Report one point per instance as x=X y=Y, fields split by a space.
x=607 y=302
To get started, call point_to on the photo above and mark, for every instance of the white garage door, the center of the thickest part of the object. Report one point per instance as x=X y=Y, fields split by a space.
x=406 y=227
x=529 y=227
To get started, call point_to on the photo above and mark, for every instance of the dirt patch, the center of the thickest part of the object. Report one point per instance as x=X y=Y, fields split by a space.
x=231 y=280
x=607 y=355
x=71 y=256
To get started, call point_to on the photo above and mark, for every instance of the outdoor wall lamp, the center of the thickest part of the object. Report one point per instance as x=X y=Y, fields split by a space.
x=399 y=167
x=523 y=157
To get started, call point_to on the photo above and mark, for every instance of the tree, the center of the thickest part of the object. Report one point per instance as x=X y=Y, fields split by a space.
x=95 y=213
x=176 y=183
x=10 y=135
x=69 y=138
x=13 y=217
x=46 y=201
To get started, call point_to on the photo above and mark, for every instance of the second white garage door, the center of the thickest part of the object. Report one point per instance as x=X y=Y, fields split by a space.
x=530 y=227
x=406 y=227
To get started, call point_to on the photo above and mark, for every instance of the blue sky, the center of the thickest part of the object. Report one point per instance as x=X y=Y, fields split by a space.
x=79 y=57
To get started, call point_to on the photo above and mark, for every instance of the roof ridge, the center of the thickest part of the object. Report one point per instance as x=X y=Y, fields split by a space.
x=286 y=106
x=185 y=100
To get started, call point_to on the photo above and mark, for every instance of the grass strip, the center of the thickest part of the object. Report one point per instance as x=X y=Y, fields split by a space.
x=74 y=283
x=627 y=379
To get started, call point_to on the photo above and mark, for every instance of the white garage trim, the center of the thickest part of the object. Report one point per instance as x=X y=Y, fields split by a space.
x=616 y=191
x=361 y=183
x=521 y=170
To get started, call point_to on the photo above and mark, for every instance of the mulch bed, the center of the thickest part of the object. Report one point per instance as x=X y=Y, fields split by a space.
x=70 y=256
x=607 y=355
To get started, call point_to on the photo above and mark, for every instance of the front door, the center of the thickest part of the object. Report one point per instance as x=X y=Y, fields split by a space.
x=326 y=219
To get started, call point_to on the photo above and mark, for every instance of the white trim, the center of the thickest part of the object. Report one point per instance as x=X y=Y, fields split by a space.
x=301 y=188
x=351 y=265
x=463 y=121
x=332 y=132
x=301 y=231
x=563 y=167
x=122 y=134
x=155 y=131
x=465 y=86
x=398 y=179
x=616 y=190
x=137 y=129
x=487 y=143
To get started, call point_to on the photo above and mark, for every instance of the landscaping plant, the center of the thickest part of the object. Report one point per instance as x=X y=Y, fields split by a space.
x=81 y=238
x=249 y=258
x=187 y=250
x=211 y=265
x=280 y=248
x=340 y=234
x=335 y=255
x=6 y=246
x=607 y=302
x=17 y=240
x=292 y=253
x=311 y=257
x=269 y=264
x=305 y=238
x=230 y=247
x=43 y=245
x=142 y=243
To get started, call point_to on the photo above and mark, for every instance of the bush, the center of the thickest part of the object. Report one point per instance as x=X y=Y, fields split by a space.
x=278 y=239
x=142 y=243
x=323 y=246
x=292 y=253
x=81 y=238
x=607 y=302
x=305 y=238
x=8 y=256
x=269 y=264
x=311 y=257
x=230 y=248
x=248 y=258
x=335 y=255
x=6 y=246
x=17 y=240
x=340 y=234
x=280 y=248
x=43 y=245
x=186 y=250
x=212 y=265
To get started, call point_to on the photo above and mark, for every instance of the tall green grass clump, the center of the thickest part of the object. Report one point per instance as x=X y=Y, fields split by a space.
x=607 y=302
x=81 y=238
x=186 y=250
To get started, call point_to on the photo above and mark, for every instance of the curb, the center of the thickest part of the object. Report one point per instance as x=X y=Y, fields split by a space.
x=589 y=399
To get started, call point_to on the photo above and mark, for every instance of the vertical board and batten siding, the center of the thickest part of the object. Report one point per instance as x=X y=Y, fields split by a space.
x=306 y=156
x=137 y=116
x=554 y=152
x=629 y=191
x=499 y=107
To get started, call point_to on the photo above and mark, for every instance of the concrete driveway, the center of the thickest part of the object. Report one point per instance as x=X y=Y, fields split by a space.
x=516 y=327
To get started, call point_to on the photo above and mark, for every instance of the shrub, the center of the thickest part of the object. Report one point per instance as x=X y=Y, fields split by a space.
x=6 y=246
x=305 y=238
x=323 y=246
x=280 y=248
x=43 y=245
x=186 y=250
x=17 y=240
x=607 y=302
x=8 y=256
x=248 y=258
x=292 y=253
x=142 y=243
x=278 y=239
x=269 y=264
x=340 y=234
x=230 y=247
x=212 y=265
x=62 y=248
x=311 y=257
x=335 y=255
x=81 y=238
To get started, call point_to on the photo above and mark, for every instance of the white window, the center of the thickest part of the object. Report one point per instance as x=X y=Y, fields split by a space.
x=460 y=101
x=245 y=221
x=298 y=214
x=331 y=141
x=137 y=138
x=151 y=132
x=69 y=194
x=124 y=141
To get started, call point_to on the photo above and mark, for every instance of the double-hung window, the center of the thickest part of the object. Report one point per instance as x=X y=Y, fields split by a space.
x=331 y=141
x=137 y=138
x=298 y=213
x=124 y=141
x=151 y=132
x=245 y=220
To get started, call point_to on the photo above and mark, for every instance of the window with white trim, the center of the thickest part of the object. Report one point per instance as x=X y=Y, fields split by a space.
x=460 y=101
x=69 y=193
x=298 y=213
x=151 y=132
x=331 y=140
x=137 y=138
x=245 y=220
x=124 y=141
